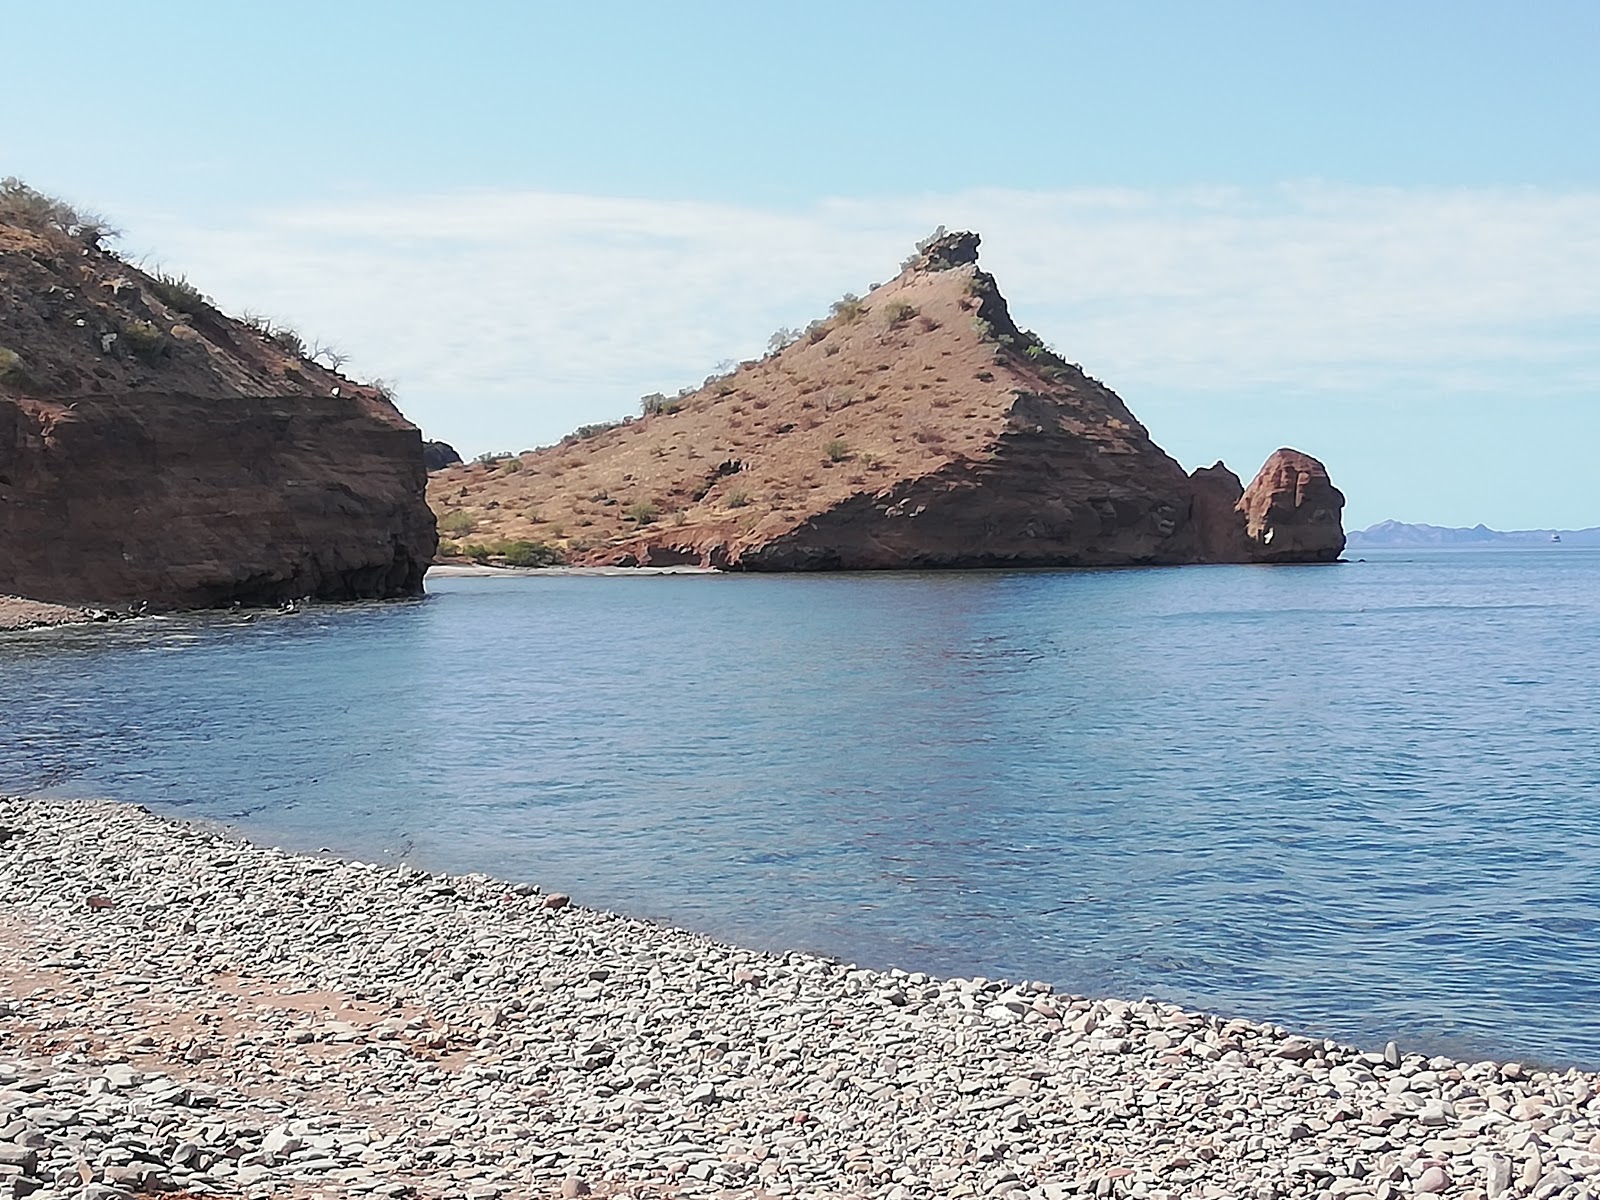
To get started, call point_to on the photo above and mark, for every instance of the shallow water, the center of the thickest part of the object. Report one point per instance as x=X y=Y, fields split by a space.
x=1361 y=800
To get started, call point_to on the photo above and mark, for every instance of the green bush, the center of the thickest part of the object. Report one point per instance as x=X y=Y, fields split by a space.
x=836 y=450
x=897 y=312
x=642 y=512
x=530 y=554
x=145 y=339
x=11 y=369
x=737 y=499
x=457 y=522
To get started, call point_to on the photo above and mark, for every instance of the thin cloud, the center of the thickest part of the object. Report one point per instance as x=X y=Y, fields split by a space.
x=510 y=317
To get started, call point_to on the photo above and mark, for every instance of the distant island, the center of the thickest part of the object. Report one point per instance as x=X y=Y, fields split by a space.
x=1401 y=533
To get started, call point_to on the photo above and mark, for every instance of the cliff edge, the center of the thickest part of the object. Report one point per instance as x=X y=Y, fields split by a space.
x=915 y=427
x=154 y=449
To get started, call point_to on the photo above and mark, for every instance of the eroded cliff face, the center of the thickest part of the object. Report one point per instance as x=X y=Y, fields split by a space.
x=185 y=501
x=916 y=427
x=154 y=450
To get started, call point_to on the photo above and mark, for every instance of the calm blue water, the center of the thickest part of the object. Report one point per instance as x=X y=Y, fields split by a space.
x=1361 y=800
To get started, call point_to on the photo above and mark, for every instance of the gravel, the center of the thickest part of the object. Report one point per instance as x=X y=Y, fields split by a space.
x=180 y=1010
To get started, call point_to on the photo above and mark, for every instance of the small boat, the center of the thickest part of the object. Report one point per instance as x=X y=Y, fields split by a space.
x=1555 y=537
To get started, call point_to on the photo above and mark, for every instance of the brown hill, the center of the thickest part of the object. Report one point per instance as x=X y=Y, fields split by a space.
x=919 y=427
x=154 y=449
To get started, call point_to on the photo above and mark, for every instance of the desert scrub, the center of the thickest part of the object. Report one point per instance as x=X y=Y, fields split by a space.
x=177 y=293
x=289 y=341
x=51 y=214
x=837 y=450
x=642 y=512
x=145 y=339
x=848 y=309
x=657 y=404
x=457 y=522
x=737 y=499
x=898 y=312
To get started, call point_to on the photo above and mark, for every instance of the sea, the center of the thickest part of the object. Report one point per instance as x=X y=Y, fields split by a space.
x=1359 y=800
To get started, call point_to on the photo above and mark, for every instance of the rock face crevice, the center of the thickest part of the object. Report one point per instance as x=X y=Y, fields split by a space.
x=184 y=501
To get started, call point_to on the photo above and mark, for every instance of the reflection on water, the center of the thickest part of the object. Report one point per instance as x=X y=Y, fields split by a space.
x=1359 y=800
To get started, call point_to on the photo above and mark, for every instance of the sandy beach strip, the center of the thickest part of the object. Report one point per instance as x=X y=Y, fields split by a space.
x=182 y=1010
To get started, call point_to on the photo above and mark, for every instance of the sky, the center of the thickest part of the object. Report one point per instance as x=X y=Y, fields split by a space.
x=1367 y=230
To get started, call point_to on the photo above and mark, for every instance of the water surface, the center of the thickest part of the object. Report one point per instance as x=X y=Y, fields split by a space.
x=1360 y=800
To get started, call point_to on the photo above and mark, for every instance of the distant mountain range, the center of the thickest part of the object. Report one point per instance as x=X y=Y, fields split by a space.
x=1400 y=533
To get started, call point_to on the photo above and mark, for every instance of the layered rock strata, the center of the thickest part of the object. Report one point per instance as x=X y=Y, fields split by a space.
x=155 y=451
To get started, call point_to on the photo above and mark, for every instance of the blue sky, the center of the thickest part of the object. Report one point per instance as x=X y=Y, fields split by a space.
x=1368 y=230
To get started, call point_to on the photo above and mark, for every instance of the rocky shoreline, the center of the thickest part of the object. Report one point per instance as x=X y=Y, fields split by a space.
x=181 y=1011
x=17 y=612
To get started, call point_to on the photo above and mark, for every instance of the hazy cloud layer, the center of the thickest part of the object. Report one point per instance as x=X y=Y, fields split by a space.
x=509 y=317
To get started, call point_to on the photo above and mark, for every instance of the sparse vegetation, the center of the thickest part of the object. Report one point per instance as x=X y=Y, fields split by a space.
x=51 y=214
x=584 y=432
x=642 y=512
x=457 y=522
x=289 y=341
x=178 y=294
x=898 y=312
x=922 y=245
x=515 y=553
x=848 y=309
x=782 y=338
x=737 y=499
x=145 y=339
x=657 y=404
x=837 y=450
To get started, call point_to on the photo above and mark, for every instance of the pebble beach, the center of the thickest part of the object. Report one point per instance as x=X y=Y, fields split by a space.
x=186 y=1013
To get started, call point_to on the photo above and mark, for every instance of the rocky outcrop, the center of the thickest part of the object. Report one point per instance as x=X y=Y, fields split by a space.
x=917 y=427
x=1219 y=526
x=436 y=456
x=154 y=450
x=1292 y=511
x=186 y=501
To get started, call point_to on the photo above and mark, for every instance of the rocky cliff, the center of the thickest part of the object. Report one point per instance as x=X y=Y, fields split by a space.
x=153 y=449
x=916 y=427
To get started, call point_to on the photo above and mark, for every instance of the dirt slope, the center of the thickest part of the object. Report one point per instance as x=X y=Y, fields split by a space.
x=918 y=427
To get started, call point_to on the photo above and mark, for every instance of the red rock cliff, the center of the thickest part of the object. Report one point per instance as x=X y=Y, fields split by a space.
x=153 y=449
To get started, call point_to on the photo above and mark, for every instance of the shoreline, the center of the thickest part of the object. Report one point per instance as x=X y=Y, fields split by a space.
x=346 y=1028
x=483 y=571
x=18 y=613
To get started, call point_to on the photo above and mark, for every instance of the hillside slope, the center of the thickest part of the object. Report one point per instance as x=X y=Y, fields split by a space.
x=918 y=427
x=153 y=449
